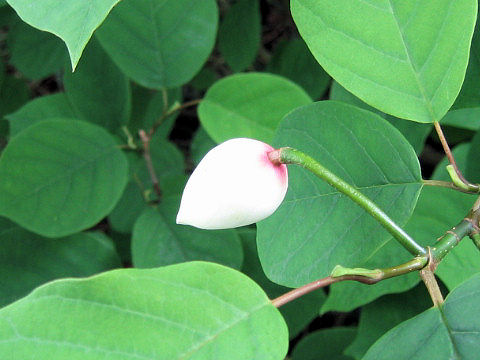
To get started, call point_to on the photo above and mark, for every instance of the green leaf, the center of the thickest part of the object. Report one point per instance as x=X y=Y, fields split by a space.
x=167 y=161
x=98 y=91
x=249 y=105
x=160 y=43
x=297 y=314
x=406 y=58
x=128 y=209
x=325 y=344
x=13 y=92
x=317 y=227
x=74 y=22
x=468 y=118
x=415 y=133
x=293 y=60
x=148 y=107
x=239 y=34
x=28 y=260
x=448 y=333
x=157 y=240
x=469 y=96
x=473 y=166
x=36 y=54
x=58 y=177
x=43 y=108
x=189 y=311
x=201 y=144
x=385 y=313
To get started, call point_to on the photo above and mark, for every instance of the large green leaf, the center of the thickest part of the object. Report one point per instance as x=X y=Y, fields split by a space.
x=297 y=313
x=293 y=60
x=249 y=105
x=36 y=54
x=383 y=314
x=317 y=227
x=58 y=177
x=73 y=21
x=437 y=210
x=161 y=43
x=128 y=209
x=28 y=260
x=325 y=344
x=414 y=132
x=197 y=310
x=98 y=91
x=40 y=109
x=157 y=240
x=406 y=58
x=239 y=34
x=452 y=332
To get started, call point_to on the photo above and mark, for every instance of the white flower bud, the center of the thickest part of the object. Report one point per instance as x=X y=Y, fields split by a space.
x=235 y=184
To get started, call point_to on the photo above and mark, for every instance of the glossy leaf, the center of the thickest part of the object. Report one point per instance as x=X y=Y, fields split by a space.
x=414 y=132
x=293 y=60
x=325 y=344
x=249 y=105
x=452 y=333
x=383 y=314
x=43 y=108
x=28 y=260
x=298 y=313
x=157 y=240
x=135 y=312
x=406 y=58
x=36 y=54
x=317 y=227
x=160 y=43
x=239 y=34
x=98 y=91
x=58 y=177
x=74 y=22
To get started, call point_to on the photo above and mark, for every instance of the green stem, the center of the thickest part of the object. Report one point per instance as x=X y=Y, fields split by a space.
x=293 y=156
x=448 y=185
x=451 y=239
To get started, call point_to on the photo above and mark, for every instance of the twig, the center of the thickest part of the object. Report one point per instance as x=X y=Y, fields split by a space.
x=170 y=112
x=449 y=185
x=364 y=276
x=148 y=160
x=451 y=159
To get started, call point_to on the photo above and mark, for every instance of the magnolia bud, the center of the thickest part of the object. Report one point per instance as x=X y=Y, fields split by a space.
x=235 y=184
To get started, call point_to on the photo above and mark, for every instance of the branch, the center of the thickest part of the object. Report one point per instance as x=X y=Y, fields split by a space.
x=292 y=156
x=148 y=160
x=364 y=276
